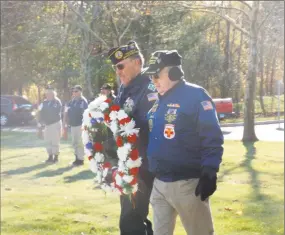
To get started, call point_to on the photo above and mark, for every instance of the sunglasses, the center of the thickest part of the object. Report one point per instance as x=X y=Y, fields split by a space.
x=118 y=66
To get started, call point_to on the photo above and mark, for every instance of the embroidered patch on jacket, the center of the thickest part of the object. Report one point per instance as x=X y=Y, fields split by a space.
x=128 y=105
x=150 y=124
x=152 y=96
x=170 y=117
x=151 y=87
x=174 y=105
x=169 y=132
x=171 y=111
x=207 y=105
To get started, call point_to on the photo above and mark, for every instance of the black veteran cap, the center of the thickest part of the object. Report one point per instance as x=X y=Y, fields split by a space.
x=117 y=54
x=106 y=86
x=161 y=59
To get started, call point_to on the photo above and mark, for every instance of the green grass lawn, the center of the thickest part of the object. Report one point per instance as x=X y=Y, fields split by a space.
x=40 y=199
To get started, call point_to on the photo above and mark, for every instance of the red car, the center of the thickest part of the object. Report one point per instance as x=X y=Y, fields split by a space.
x=224 y=107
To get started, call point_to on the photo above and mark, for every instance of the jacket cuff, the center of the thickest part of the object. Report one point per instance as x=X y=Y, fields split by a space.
x=209 y=171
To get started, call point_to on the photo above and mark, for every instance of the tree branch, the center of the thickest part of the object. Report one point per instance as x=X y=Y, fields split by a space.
x=222 y=7
x=246 y=4
x=225 y=17
x=85 y=25
x=264 y=20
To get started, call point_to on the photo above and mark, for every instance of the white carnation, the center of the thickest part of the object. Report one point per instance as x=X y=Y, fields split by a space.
x=118 y=180
x=114 y=127
x=132 y=164
x=122 y=114
x=93 y=166
x=128 y=178
x=99 y=177
x=86 y=121
x=103 y=106
x=99 y=157
x=88 y=152
x=105 y=172
x=122 y=167
x=85 y=137
x=123 y=151
x=113 y=115
x=129 y=129
x=96 y=114
x=95 y=104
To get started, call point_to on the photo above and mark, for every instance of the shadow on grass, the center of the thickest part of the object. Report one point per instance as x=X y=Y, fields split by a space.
x=262 y=208
x=83 y=175
x=52 y=173
x=24 y=170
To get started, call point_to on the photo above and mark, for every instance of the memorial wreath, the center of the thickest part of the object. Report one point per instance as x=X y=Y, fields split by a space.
x=100 y=115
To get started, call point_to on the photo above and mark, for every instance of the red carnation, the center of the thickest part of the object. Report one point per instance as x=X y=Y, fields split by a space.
x=134 y=171
x=124 y=121
x=89 y=115
x=121 y=173
x=107 y=165
x=134 y=181
x=115 y=107
x=132 y=138
x=89 y=158
x=108 y=101
x=134 y=155
x=107 y=117
x=119 y=141
x=98 y=147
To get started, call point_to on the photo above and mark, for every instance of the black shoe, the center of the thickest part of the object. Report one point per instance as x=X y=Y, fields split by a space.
x=78 y=162
x=49 y=160
x=55 y=158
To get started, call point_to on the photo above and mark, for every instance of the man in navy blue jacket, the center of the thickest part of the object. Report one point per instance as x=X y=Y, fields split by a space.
x=136 y=95
x=185 y=148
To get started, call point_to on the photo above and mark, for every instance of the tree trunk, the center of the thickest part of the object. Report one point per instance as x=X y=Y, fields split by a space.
x=267 y=71
x=218 y=34
x=273 y=71
x=261 y=70
x=249 y=130
x=224 y=85
x=238 y=83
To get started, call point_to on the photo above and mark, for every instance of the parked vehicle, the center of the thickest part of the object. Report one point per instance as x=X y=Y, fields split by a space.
x=224 y=107
x=16 y=109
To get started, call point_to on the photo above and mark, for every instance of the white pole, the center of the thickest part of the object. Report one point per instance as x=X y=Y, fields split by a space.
x=279 y=87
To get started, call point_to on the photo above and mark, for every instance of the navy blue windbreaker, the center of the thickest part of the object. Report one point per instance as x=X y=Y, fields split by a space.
x=185 y=134
x=137 y=99
x=50 y=111
x=75 y=111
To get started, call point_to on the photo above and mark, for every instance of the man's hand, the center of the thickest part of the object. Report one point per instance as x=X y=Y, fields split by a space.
x=207 y=183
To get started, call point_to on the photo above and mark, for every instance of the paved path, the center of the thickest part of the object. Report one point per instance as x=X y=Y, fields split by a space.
x=268 y=132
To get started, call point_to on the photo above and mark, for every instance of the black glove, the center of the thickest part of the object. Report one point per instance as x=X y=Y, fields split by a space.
x=207 y=184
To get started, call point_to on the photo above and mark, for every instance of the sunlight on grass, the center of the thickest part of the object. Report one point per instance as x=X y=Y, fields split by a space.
x=37 y=198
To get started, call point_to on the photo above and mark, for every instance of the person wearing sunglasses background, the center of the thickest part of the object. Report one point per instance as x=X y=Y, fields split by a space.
x=106 y=90
x=185 y=148
x=136 y=95
x=74 y=115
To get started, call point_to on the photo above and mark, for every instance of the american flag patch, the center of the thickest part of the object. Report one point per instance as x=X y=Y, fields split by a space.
x=207 y=105
x=152 y=96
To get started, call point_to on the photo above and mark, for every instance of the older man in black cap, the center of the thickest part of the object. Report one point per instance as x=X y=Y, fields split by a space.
x=136 y=95
x=185 y=148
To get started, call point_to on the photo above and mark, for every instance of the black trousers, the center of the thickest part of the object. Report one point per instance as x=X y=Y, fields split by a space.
x=133 y=219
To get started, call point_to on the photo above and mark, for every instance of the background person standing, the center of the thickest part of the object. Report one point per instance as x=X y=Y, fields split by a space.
x=50 y=117
x=74 y=111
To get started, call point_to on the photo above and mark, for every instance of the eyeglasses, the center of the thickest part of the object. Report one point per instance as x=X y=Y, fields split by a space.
x=118 y=66
x=75 y=91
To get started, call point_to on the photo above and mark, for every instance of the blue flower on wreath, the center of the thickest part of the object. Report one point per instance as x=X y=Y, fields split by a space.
x=89 y=145
x=93 y=121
